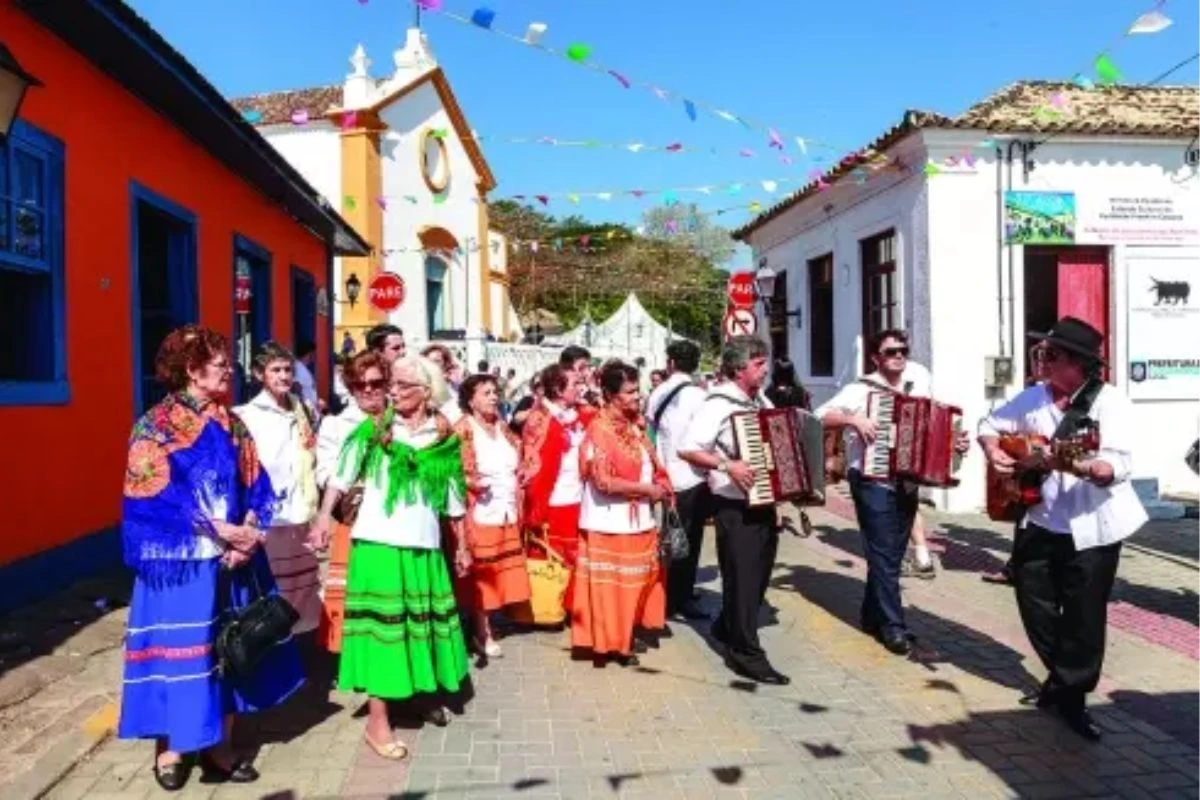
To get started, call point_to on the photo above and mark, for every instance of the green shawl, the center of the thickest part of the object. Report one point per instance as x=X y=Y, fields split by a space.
x=406 y=474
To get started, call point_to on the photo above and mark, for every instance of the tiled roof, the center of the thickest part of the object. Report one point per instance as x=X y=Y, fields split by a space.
x=1040 y=107
x=274 y=108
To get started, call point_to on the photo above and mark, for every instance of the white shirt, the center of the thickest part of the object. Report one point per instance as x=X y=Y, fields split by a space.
x=710 y=431
x=330 y=438
x=276 y=437
x=673 y=425
x=852 y=399
x=450 y=410
x=415 y=526
x=307 y=383
x=1093 y=515
x=610 y=513
x=568 y=486
x=496 y=462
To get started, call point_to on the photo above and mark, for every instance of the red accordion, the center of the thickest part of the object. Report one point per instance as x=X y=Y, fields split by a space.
x=914 y=440
x=784 y=446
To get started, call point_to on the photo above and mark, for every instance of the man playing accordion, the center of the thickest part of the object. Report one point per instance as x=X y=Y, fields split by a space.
x=885 y=507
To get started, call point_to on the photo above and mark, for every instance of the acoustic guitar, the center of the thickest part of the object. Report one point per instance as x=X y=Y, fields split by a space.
x=1008 y=496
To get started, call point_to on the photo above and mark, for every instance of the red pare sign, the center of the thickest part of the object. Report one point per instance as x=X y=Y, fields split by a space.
x=386 y=291
x=741 y=290
x=241 y=294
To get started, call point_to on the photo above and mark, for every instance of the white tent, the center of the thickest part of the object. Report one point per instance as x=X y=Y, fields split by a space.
x=628 y=334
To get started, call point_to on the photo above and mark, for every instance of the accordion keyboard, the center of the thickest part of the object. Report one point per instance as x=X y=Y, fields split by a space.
x=755 y=452
x=877 y=456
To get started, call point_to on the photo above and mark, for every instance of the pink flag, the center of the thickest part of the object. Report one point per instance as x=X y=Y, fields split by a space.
x=674 y=147
x=776 y=141
x=543 y=199
x=621 y=79
x=349 y=120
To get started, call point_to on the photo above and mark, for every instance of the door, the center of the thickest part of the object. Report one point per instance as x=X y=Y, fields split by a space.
x=253 y=329
x=304 y=309
x=435 y=284
x=1067 y=282
x=163 y=252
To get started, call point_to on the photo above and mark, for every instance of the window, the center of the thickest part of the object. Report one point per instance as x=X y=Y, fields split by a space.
x=33 y=368
x=820 y=316
x=879 y=301
x=435 y=294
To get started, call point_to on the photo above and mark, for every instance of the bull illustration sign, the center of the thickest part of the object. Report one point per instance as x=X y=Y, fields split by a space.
x=1171 y=293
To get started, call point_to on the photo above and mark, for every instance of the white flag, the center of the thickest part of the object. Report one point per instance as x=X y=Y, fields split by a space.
x=533 y=35
x=1150 y=22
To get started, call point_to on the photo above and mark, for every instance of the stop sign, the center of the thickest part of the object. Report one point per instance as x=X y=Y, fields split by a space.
x=741 y=290
x=386 y=291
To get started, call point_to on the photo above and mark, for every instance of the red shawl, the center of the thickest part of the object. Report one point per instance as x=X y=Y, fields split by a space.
x=617 y=445
x=544 y=442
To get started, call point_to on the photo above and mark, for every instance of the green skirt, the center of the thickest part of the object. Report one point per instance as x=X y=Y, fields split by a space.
x=401 y=633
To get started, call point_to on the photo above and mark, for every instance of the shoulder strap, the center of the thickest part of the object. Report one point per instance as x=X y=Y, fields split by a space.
x=1079 y=408
x=662 y=407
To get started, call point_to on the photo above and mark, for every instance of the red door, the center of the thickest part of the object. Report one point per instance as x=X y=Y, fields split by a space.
x=1083 y=290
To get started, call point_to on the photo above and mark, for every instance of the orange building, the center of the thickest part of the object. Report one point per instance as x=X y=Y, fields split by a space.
x=130 y=194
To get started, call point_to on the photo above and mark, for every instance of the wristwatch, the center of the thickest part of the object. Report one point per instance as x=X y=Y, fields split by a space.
x=723 y=464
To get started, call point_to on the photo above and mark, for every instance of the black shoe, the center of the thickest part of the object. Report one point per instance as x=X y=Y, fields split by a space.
x=212 y=772
x=437 y=716
x=772 y=676
x=691 y=610
x=718 y=634
x=896 y=642
x=173 y=777
x=1044 y=696
x=1080 y=721
x=639 y=647
x=627 y=661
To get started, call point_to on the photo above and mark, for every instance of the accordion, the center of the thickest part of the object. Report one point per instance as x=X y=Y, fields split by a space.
x=785 y=448
x=914 y=440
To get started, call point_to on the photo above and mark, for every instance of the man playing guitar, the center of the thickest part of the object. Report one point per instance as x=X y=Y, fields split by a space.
x=1065 y=558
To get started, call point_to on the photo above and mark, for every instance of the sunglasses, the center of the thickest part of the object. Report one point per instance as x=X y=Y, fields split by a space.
x=1046 y=355
x=375 y=385
x=892 y=352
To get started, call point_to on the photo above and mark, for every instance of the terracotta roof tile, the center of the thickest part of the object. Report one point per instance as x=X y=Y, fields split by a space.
x=275 y=108
x=1043 y=107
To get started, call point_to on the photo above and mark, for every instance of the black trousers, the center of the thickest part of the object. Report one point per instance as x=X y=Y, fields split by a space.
x=1062 y=594
x=694 y=506
x=746 y=545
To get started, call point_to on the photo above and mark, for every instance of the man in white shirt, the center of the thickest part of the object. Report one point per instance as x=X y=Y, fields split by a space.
x=1066 y=556
x=306 y=354
x=669 y=409
x=747 y=538
x=885 y=509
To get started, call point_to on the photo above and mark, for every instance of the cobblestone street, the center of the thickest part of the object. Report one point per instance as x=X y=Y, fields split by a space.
x=856 y=721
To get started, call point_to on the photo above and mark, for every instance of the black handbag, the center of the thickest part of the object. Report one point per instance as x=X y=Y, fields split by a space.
x=672 y=537
x=249 y=633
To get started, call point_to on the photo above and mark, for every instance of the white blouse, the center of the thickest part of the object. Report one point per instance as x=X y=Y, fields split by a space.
x=568 y=486
x=277 y=438
x=332 y=436
x=496 y=462
x=416 y=526
x=611 y=513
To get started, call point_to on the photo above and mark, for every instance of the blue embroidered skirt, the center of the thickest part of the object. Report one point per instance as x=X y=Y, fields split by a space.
x=171 y=687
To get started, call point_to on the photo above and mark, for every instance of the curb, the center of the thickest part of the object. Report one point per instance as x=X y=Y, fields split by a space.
x=60 y=759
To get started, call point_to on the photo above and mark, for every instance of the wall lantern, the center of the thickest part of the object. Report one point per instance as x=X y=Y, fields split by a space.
x=766 y=279
x=13 y=83
x=353 y=288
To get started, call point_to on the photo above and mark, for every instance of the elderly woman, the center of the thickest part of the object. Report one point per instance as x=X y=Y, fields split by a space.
x=282 y=428
x=490 y=455
x=402 y=633
x=618 y=579
x=196 y=510
x=368 y=377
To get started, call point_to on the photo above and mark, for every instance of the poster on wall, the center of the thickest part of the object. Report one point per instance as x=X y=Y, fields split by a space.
x=1153 y=217
x=1164 y=328
x=1039 y=217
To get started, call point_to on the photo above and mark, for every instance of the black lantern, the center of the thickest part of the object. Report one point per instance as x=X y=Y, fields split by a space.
x=13 y=83
x=353 y=287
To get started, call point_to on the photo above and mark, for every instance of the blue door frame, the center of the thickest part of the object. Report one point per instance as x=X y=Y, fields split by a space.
x=183 y=300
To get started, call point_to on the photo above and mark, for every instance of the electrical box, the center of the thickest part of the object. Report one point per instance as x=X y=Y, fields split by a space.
x=997 y=372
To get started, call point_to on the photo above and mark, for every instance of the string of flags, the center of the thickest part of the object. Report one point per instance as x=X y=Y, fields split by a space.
x=580 y=54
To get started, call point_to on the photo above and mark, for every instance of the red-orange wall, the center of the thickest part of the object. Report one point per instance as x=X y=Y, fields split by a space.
x=61 y=467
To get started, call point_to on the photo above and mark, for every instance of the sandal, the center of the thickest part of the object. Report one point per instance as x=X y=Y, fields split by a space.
x=392 y=751
x=488 y=647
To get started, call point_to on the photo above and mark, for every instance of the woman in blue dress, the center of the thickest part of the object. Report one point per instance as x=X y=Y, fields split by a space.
x=196 y=506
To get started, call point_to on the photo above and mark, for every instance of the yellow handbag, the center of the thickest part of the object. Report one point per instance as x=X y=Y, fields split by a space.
x=548 y=579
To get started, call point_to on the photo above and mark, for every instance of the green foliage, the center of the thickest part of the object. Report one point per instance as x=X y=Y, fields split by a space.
x=585 y=268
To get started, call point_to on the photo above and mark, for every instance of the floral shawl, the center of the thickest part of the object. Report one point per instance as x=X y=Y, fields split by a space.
x=189 y=464
x=615 y=445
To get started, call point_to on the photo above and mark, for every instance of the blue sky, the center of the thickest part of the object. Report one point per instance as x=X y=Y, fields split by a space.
x=839 y=71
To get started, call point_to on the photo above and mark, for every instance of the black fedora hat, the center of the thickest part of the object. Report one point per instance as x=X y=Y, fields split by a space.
x=1075 y=336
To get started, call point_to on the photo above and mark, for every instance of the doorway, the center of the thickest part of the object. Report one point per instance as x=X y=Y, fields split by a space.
x=165 y=294
x=1067 y=281
x=250 y=330
x=304 y=309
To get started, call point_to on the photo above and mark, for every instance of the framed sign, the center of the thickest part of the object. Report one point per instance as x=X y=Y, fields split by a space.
x=1164 y=327
x=1039 y=217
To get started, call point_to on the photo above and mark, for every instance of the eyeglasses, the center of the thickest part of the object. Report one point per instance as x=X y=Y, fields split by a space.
x=373 y=385
x=402 y=385
x=892 y=352
x=1046 y=355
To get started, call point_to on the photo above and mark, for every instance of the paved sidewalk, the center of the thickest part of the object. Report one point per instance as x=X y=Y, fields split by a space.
x=855 y=722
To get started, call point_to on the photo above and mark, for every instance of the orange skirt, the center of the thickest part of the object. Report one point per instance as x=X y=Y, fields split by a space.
x=498 y=577
x=329 y=632
x=618 y=587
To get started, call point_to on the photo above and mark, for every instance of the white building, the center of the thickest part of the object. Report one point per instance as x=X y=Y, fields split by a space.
x=397 y=157
x=929 y=229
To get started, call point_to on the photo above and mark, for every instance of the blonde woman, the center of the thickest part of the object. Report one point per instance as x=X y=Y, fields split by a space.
x=402 y=634
x=282 y=428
